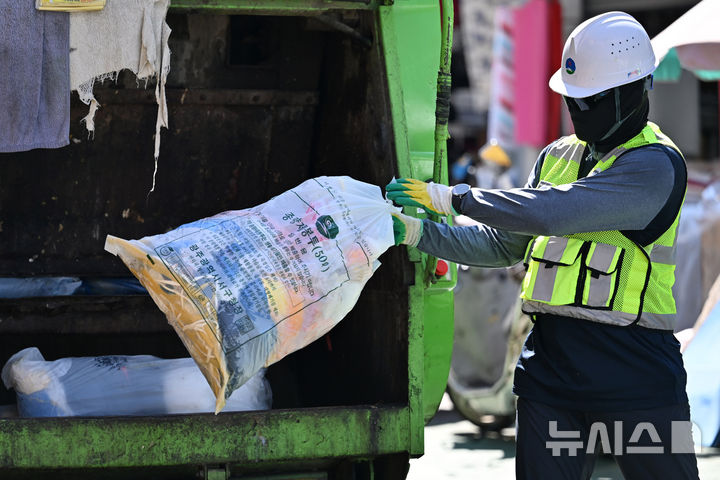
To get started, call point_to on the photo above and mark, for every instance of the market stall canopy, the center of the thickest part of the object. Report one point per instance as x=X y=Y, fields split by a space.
x=691 y=42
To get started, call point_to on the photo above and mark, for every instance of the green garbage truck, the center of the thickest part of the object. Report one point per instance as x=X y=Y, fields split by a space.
x=262 y=94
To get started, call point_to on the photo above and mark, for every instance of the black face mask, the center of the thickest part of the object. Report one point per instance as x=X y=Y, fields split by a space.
x=611 y=117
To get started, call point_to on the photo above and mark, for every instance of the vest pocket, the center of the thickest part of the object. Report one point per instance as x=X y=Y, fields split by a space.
x=554 y=270
x=601 y=276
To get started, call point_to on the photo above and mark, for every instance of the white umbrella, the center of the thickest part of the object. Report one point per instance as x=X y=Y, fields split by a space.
x=691 y=42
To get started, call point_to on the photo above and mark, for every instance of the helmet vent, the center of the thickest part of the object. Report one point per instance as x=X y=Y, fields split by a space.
x=627 y=48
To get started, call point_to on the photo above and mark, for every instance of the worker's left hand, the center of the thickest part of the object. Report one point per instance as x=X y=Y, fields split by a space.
x=407 y=230
x=433 y=197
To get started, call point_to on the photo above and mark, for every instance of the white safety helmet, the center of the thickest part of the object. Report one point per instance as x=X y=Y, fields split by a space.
x=603 y=52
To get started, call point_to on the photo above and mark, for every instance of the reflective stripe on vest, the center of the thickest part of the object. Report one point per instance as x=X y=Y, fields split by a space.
x=600 y=276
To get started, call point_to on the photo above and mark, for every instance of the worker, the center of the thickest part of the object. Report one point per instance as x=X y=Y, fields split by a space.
x=596 y=225
x=493 y=169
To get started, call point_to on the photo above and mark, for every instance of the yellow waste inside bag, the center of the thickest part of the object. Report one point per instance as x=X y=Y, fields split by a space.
x=245 y=288
x=70 y=5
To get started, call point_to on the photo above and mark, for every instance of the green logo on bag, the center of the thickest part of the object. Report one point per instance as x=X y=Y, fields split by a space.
x=327 y=226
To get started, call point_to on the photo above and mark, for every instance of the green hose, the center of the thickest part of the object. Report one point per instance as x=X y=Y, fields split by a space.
x=442 y=111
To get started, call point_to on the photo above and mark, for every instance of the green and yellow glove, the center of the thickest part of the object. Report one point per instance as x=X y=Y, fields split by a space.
x=433 y=197
x=407 y=230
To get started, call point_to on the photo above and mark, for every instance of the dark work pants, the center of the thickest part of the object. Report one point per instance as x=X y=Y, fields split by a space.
x=561 y=444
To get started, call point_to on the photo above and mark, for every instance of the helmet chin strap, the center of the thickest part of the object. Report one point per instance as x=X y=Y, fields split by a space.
x=619 y=121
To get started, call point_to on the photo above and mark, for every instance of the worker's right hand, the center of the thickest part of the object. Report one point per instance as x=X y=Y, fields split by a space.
x=406 y=230
x=433 y=197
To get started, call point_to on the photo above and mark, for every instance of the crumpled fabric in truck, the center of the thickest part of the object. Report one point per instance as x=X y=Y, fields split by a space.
x=245 y=288
x=119 y=385
x=34 y=78
x=128 y=34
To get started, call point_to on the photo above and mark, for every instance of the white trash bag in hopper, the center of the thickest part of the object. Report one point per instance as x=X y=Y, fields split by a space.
x=245 y=288
x=119 y=385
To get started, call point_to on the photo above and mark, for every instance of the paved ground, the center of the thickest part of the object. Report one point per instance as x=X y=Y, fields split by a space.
x=455 y=450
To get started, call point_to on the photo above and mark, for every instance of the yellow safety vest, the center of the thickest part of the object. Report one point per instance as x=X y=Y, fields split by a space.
x=601 y=276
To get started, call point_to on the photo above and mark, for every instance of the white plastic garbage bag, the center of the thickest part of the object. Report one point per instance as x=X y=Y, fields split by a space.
x=119 y=385
x=245 y=288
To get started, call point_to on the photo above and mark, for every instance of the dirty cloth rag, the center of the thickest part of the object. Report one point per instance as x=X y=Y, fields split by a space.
x=126 y=34
x=34 y=77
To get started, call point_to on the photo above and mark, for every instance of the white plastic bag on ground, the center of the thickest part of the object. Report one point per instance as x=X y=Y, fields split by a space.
x=119 y=385
x=245 y=288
